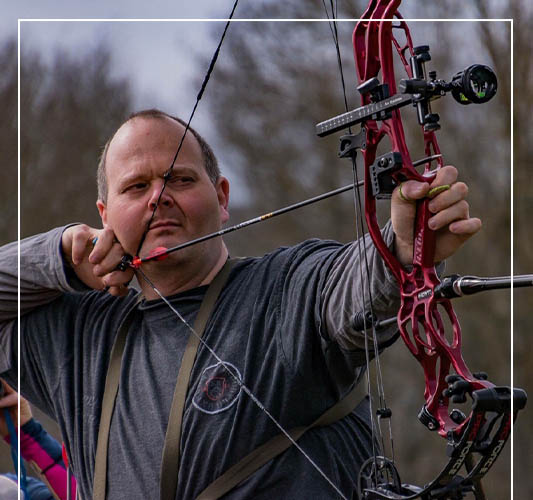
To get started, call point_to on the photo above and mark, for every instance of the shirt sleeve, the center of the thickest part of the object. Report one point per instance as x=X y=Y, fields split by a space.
x=44 y=453
x=44 y=276
x=348 y=290
x=318 y=289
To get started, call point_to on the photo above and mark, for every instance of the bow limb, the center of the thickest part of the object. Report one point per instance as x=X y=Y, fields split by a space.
x=419 y=320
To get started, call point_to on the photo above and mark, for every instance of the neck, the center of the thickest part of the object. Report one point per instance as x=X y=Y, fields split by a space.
x=183 y=274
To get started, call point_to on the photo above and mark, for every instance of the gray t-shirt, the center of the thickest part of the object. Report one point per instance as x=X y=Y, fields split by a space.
x=282 y=323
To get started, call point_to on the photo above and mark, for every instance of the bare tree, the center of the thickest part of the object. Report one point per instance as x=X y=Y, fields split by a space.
x=8 y=141
x=68 y=110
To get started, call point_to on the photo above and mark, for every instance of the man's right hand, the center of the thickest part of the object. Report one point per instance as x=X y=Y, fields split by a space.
x=96 y=263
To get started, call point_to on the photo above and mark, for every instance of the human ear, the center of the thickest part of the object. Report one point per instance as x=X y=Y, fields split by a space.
x=102 y=210
x=222 y=188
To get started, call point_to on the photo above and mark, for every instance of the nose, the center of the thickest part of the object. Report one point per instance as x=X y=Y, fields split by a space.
x=159 y=196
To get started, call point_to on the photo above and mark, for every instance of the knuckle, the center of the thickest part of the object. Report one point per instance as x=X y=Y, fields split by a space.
x=464 y=208
x=451 y=171
x=461 y=188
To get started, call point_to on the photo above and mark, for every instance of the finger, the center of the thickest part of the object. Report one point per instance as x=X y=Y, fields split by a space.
x=109 y=262
x=118 y=278
x=466 y=227
x=445 y=175
x=409 y=191
x=448 y=197
x=81 y=243
x=103 y=244
x=118 y=291
x=457 y=211
x=455 y=236
x=9 y=400
x=6 y=388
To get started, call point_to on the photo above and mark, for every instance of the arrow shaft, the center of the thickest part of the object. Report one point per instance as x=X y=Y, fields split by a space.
x=252 y=221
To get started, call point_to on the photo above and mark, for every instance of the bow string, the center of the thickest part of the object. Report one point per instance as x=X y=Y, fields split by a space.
x=160 y=253
x=426 y=319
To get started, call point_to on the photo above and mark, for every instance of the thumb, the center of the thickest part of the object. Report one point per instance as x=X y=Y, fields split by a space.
x=403 y=214
x=403 y=207
x=409 y=191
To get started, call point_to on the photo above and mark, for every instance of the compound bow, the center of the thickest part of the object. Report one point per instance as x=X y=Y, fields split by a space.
x=426 y=314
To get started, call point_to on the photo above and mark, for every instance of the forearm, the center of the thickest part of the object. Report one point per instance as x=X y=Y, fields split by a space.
x=44 y=275
x=347 y=292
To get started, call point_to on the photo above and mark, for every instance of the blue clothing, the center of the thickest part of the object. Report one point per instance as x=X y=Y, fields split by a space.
x=36 y=489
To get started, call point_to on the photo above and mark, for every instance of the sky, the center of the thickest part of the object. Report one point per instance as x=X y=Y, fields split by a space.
x=146 y=51
x=158 y=58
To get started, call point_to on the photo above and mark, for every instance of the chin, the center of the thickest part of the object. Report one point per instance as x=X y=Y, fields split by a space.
x=167 y=240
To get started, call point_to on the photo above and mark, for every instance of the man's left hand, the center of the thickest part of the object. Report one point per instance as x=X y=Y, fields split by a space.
x=451 y=218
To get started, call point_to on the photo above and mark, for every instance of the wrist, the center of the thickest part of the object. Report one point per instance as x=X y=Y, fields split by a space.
x=403 y=251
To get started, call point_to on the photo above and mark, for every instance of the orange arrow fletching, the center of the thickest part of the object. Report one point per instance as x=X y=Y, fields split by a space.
x=158 y=253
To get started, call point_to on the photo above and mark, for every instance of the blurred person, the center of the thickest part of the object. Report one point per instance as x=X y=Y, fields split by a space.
x=36 y=447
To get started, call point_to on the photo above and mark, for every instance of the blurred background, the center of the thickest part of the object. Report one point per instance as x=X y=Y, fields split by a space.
x=274 y=81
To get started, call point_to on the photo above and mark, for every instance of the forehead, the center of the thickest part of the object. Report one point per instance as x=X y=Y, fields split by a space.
x=144 y=138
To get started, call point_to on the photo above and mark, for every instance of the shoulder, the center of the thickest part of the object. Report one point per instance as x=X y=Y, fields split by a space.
x=307 y=262
x=307 y=252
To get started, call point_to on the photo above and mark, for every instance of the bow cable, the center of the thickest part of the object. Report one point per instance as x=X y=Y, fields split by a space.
x=369 y=315
x=180 y=145
x=243 y=386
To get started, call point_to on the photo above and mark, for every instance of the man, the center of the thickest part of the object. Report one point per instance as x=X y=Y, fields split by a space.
x=281 y=326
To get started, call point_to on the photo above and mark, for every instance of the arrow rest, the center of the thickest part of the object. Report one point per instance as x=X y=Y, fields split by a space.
x=351 y=143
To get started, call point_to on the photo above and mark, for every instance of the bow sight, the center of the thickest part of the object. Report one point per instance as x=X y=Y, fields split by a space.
x=476 y=84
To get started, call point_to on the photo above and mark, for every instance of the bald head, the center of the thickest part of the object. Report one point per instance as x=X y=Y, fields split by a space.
x=161 y=120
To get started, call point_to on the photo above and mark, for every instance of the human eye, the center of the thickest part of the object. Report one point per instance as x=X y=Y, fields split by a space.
x=135 y=187
x=181 y=179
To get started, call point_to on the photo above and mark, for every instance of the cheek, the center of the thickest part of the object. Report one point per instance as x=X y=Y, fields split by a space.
x=126 y=223
x=204 y=211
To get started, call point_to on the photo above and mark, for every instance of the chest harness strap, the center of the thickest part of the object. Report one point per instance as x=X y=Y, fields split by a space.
x=170 y=461
x=171 y=448
x=278 y=444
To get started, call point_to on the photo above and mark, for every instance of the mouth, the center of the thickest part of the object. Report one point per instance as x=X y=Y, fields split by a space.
x=164 y=224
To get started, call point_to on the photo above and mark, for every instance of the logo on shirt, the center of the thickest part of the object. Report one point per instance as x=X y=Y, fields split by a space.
x=219 y=388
